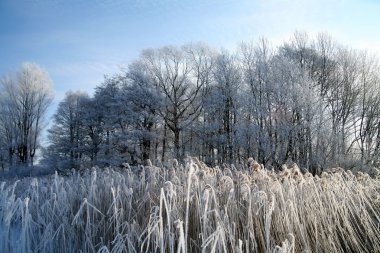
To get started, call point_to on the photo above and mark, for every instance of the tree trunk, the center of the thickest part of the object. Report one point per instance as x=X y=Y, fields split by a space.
x=10 y=153
x=176 y=144
x=145 y=149
x=164 y=144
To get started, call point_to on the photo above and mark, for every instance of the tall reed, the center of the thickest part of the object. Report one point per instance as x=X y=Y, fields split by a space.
x=191 y=208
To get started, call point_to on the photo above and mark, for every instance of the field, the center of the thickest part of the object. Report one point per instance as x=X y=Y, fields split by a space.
x=191 y=208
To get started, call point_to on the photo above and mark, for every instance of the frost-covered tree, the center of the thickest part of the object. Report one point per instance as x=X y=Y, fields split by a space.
x=310 y=101
x=25 y=97
x=367 y=112
x=202 y=59
x=226 y=75
x=112 y=112
x=298 y=106
x=256 y=67
x=178 y=74
x=341 y=98
x=144 y=101
x=93 y=123
x=67 y=136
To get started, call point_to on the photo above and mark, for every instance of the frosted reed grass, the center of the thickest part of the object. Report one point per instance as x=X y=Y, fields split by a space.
x=191 y=208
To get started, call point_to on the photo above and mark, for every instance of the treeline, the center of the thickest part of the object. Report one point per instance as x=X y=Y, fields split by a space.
x=311 y=101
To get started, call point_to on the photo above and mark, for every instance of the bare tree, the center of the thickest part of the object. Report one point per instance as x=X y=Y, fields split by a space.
x=25 y=99
x=180 y=80
x=256 y=61
x=144 y=101
x=368 y=110
x=227 y=81
x=8 y=132
x=67 y=135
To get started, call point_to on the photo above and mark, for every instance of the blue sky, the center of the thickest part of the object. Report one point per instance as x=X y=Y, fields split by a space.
x=78 y=41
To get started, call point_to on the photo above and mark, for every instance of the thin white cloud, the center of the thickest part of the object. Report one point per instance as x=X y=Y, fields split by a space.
x=350 y=22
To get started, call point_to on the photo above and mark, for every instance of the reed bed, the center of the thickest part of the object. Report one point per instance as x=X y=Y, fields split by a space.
x=191 y=208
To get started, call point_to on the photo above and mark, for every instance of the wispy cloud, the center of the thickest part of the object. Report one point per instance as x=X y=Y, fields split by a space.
x=81 y=75
x=79 y=41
